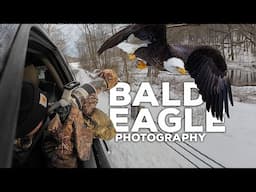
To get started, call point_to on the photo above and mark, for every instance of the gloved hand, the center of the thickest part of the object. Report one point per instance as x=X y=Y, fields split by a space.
x=110 y=77
x=100 y=124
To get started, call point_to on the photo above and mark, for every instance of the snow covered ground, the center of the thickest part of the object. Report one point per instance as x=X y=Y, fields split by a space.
x=234 y=149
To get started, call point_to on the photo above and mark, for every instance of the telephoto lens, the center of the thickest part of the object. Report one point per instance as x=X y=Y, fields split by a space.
x=75 y=93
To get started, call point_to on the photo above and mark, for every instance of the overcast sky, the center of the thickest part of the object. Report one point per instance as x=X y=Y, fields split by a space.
x=72 y=32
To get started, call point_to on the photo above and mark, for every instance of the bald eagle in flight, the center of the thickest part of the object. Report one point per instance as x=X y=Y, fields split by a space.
x=148 y=43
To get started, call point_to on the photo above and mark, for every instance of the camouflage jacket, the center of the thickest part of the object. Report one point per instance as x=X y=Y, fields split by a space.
x=64 y=144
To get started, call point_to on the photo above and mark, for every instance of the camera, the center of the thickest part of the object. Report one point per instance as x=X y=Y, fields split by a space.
x=74 y=93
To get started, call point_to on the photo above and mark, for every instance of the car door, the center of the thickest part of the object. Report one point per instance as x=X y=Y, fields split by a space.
x=13 y=42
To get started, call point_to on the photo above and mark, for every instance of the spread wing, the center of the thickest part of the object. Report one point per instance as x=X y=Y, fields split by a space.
x=146 y=32
x=208 y=67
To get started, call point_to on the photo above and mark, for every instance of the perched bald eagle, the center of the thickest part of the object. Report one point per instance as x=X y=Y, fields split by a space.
x=148 y=43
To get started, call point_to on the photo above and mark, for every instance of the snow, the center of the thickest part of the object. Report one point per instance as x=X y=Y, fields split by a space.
x=246 y=94
x=75 y=65
x=144 y=155
x=233 y=149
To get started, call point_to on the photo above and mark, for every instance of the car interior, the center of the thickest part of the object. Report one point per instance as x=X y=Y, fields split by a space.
x=39 y=70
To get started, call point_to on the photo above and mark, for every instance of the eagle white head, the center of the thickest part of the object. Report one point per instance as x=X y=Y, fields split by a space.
x=175 y=64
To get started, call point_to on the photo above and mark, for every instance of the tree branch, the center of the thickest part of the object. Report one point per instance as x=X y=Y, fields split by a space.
x=181 y=25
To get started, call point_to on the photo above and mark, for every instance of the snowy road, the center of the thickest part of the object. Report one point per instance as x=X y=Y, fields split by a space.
x=237 y=147
x=234 y=149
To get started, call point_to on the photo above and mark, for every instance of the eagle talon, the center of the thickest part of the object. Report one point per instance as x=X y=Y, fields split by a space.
x=141 y=65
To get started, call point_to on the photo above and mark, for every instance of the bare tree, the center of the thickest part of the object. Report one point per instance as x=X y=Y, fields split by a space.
x=91 y=38
x=56 y=34
x=228 y=38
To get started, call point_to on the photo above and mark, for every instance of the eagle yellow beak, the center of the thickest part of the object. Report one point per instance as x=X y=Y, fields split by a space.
x=182 y=70
x=141 y=65
x=131 y=57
